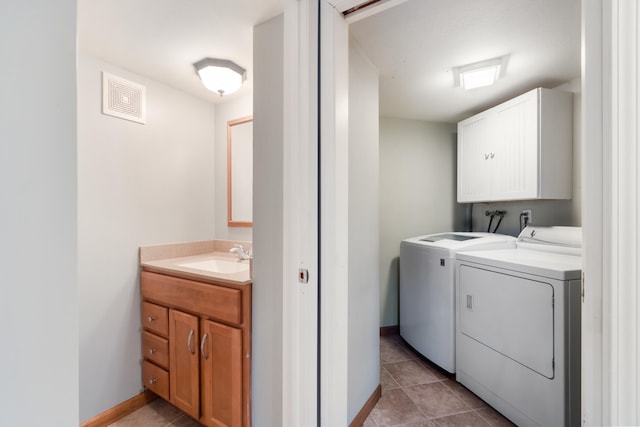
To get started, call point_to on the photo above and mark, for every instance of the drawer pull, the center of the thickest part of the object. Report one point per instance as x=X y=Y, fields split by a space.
x=152 y=381
x=152 y=350
x=192 y=351
x=205 y=355
x=151 y=319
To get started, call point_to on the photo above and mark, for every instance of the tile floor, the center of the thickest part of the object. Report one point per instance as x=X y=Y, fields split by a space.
x=415 y=393
x=158 y=413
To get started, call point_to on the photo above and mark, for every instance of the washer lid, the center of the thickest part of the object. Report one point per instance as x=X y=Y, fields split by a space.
x=447 y=244
x=448 y=236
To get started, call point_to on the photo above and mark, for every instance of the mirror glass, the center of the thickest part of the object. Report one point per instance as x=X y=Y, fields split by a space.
x=240 y=172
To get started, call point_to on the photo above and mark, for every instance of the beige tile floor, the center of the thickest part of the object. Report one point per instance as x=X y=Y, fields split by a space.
x=415 y=393
x=158 y=413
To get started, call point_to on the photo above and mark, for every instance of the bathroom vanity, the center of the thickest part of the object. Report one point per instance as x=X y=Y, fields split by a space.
x=196 y=330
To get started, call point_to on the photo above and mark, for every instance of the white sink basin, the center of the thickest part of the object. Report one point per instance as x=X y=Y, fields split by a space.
x=218 y=266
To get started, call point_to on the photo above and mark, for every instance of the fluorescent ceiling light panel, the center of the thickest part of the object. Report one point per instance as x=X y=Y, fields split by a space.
x=480 y=77
x=479 y=74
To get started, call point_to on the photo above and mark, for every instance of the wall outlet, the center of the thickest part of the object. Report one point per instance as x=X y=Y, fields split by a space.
x=526 y=218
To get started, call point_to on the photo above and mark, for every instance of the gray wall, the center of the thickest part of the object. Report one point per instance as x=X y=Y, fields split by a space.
x=38 y=297
x=363 y=335
x=230 y=110
x=417 y=194
x=544 y=212
x=268 y=103
x=137 y=185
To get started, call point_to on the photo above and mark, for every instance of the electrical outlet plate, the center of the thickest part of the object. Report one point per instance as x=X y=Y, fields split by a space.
x=526 y=218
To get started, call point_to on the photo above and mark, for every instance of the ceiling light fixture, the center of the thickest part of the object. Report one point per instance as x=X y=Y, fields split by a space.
x=220 y=75
x=479 y=74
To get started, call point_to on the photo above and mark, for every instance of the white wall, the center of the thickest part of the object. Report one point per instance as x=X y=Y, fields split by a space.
x=417 y=194
x=364 y=317
x=266 y=366
x=38 y=300
x=230 y=110
x=137 y=185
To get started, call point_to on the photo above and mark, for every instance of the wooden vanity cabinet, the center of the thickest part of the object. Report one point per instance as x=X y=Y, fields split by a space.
x=155 y=348
x=184 y=371
x=208 y=337
x=222 y=374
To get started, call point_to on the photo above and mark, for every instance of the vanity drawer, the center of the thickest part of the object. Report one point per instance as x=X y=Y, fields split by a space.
x=155 y=318
x=212 y=301
x=155 y=379
x=155 y=349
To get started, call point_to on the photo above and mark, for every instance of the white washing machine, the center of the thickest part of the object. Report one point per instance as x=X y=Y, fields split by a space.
x=518 y=326
x=427 y=290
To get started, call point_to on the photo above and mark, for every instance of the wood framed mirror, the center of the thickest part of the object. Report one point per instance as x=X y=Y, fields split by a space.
x=240 y=172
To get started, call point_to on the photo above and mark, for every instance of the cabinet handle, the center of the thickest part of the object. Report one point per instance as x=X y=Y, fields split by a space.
x=205 y=355
x=152 y=350
x=152 y=381
x=192 y=351
x=486 y=156
x=151 y=319
x=492 y=155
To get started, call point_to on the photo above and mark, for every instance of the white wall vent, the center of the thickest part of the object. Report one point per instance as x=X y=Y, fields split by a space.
x=123 y=98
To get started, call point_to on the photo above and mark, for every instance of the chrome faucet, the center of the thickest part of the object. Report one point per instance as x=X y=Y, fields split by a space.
x=239 y=250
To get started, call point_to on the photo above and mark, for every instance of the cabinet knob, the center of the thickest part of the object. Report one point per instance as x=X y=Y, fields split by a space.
x=152 y=381
x=152 y=350
x=151 y=319
x=492 y=155
x=486 y=156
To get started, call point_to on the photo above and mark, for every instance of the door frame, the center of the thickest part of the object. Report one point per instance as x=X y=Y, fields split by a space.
x=605 y=334
x=315 y=314
x=611 y=323
x=593 y=71
x=300 y=374
x=334 y=214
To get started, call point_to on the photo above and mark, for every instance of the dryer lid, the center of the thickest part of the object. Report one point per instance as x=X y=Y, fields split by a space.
x=558 y=239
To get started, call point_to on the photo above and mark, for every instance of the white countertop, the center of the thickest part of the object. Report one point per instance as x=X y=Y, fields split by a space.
x=171 y=259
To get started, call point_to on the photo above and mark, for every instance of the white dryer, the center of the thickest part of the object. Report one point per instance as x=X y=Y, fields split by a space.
x=518 y=326
x=427 y=289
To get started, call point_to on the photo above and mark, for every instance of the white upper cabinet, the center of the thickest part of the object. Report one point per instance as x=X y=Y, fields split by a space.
x=518 y=150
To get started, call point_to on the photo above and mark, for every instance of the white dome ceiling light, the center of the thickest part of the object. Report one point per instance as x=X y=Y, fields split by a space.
x=220 y=75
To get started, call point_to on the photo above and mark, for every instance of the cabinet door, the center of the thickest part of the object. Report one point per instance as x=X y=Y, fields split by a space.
x=474 y=159
x=184 y=386
x=515 y=164
x=222 y=374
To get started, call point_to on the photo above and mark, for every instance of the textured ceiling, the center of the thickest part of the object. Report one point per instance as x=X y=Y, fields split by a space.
x=414 y=45
x=162 y=39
